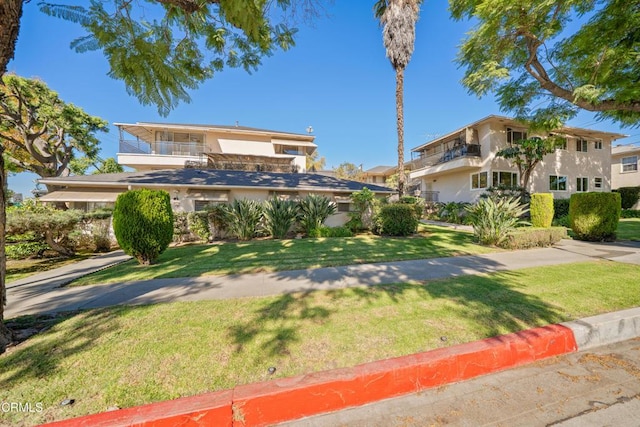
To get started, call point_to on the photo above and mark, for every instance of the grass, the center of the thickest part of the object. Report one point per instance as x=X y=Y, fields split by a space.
x=19 y=269
x=275 y=255
x=125 y=356
x=628 y=229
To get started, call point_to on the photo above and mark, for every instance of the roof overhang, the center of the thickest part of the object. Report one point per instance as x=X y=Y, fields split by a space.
x=89 y=195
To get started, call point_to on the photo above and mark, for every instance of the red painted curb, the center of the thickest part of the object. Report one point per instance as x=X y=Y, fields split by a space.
x=209 y=409
x=286 y=399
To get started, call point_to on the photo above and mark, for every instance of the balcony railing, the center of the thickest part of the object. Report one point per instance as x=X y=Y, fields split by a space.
x=168 y=148
x=466 y=150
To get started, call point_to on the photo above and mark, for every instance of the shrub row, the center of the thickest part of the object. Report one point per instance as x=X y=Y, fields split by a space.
x=630 y=213
x=629 y=196
x=534 y=237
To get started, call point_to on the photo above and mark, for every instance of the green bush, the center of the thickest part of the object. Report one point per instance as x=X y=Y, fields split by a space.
x=563 y=221
x=216 y=216
x=560 y=208
x=331 y=232
x=416 y=202
x=397 y=219
x=541 y=209
x=100 y=235
x=198 y=224
x=313 y=210
x=453 y=212
x=493 y=219
x=365 y=208
x=279 y=217
x=24 y=250
x=629 y=196
x=531 y=237
x=143 y=223
x=242 y=218
x=595 y=216
x=630 y=213
x=180 y=227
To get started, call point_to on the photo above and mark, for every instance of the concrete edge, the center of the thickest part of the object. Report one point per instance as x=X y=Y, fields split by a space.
x=608 y=328
x=292 y=398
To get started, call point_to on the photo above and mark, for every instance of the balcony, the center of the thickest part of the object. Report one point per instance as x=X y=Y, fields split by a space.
x=460 y=151
x=167 y=148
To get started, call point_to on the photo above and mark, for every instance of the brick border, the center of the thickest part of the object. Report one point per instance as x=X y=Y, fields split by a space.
x=292 y=398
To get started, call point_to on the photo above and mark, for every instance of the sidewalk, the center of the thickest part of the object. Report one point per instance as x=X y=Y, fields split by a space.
x=44 y=295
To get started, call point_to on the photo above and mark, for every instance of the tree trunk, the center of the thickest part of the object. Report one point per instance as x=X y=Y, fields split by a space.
x=10 y=14
x=5 y=334
x=62 y=250
x=400 y=124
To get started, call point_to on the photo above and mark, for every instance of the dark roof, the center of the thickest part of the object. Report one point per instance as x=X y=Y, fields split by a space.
x=219 y=179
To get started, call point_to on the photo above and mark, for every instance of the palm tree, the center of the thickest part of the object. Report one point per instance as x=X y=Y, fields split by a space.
x=399 y=18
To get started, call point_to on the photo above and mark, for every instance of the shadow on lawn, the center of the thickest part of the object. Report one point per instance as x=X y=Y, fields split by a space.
x=492 y=304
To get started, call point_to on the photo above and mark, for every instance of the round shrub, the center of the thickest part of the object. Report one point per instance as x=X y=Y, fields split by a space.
x=398 y=219
x=541 y=209
x=595 y=216
x=143 y=223
x=629 y=196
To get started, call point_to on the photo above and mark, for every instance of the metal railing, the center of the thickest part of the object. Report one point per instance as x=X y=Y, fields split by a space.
x=466 y=150
x=168 y=148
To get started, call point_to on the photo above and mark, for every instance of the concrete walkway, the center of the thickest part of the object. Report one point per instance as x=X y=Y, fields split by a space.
x=43 y=294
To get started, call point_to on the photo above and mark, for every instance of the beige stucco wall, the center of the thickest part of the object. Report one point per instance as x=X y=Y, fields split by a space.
x=624 y=179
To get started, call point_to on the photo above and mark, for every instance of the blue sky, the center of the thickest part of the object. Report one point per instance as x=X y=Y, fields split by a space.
x=336 y=79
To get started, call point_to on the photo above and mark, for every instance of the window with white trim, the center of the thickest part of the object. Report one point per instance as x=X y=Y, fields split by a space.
x=504 y=179
x=597 y=182
x=582 y=145
x=514 y=135
x=629 y=164
x=597 y=145
x=479 y=180
x=582 y=184
x=557 y=183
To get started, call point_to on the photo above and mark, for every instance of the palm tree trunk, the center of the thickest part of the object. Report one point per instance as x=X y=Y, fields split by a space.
x=400 y=124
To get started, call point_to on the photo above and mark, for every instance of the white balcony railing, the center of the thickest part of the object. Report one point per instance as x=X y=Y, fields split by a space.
x=168 y=148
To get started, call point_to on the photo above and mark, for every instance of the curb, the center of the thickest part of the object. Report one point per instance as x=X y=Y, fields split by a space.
x=292 y=398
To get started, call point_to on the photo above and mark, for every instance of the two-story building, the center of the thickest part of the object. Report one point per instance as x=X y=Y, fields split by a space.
x=625 y=162
x=203 y=165
x=460 y=166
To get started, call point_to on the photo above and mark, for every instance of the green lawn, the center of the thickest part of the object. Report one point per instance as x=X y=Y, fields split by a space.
x=19 y=269
x=629 y=229
x=128 y=356
x=274 y=255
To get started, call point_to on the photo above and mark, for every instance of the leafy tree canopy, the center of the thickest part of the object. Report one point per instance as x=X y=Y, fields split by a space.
x=564 y=54
x=163 y=48
x=40 y=132
x=81 y=165
x=350 y=171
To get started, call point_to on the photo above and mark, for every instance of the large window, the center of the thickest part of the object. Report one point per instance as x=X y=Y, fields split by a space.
x=582 y=184
x=582 y=145
x=630 y=164
x=479 y=180
x=557 y=183
x=514 y=135
x=504 y=179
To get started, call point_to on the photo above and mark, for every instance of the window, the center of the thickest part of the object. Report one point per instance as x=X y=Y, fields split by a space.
x=505 y=179
x=597 y=145
x=581 y=145
x=203 y=205
x=597 y=182
x=344 y=207
x=630 y=164
x=515 y=135
x=557 y=183
x=479 y=180
x=582 y=185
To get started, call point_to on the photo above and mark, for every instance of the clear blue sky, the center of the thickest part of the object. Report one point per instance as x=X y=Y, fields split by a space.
x=336 y=79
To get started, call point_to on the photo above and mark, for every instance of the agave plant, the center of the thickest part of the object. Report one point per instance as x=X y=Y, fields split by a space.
x=313 y=210
x=242 y=218
x=279 y=217
x=493 y=219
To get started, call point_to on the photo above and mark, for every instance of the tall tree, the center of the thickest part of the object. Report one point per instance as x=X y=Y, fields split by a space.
x=42 y=133
x=399 y=18
x=349 y=171
x=532 y=53
x=81 y=165
x=315 y=162
x=155 y=65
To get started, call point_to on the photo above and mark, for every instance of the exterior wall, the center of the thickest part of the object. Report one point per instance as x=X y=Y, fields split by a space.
x=454 y=187
x=624 y=179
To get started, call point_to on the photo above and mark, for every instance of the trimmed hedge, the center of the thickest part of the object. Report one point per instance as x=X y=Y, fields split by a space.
x=143 y=223
x=531 y=237
x=324 y=231
x=397 y=219
x=630 y=213
x=594 y=216
x=541 y=209
x=629 y=196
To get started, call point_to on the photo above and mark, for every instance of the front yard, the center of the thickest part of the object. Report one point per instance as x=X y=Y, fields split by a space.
x=125 y=356
x=628 y=229
x=276 y=255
